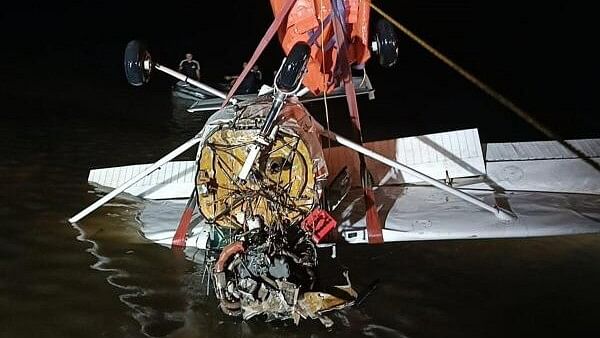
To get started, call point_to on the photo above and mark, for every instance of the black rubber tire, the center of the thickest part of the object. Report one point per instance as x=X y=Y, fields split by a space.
x=135 y=55
x=387 y=42
x=293 y=69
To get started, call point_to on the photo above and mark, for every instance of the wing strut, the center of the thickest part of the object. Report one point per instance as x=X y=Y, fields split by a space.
x=502 y=214
x=168 y=157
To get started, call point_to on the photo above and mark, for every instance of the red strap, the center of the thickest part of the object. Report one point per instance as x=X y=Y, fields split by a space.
x=184 y=223
x=261 y=47
x=374 y=228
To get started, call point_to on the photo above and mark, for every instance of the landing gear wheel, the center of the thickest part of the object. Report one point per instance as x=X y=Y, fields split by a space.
x=137 y=62
x=292 y=71
x=386 y=43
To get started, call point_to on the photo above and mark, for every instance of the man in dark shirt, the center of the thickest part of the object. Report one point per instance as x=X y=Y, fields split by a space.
x=190 y=67
x=251 y=83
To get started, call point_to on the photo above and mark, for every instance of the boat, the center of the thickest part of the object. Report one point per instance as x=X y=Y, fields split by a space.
x=211 y=103
x=264 y=196
x=186 y=91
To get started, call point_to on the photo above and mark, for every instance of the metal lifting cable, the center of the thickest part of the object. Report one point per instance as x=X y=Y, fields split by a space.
x=488 y=90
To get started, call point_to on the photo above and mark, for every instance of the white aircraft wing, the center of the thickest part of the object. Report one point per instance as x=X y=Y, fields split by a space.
x=552 y=191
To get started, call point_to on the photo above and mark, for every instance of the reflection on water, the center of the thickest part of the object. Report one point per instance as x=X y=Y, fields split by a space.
x=130 y=266
x=100 y=278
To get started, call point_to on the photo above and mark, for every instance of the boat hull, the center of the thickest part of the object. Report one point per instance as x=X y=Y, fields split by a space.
x=183 y=90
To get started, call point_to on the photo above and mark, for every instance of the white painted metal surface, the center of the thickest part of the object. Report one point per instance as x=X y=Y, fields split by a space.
x=540 y=150
x=496 y=210
x=564 y=175
x=172 y=180
x=523 y=166
x=418 y=213
x=425 y=213
x=160 y=219
x=121 y=188
x=558 y=196
x=450 y=154
x=457 y=153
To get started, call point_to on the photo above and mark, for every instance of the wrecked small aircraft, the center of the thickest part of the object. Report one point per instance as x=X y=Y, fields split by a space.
x=264 y=196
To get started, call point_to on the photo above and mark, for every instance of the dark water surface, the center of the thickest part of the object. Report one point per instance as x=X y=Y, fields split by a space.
x=102 y=279
x=66 y=108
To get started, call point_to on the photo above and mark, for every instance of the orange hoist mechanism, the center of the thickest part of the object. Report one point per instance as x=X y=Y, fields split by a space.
x=303 y=23
x=338 y=33
x=319 y=222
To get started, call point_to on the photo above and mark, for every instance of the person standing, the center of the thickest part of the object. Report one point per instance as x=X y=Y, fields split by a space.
x=257 y=75
x=251 y=83
x=190 y=67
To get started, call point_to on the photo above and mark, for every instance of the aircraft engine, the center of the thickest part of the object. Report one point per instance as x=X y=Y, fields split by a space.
x=268 y=264
x=285 y=183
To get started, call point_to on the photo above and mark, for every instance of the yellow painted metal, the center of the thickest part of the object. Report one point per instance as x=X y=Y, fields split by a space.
x=281 y=189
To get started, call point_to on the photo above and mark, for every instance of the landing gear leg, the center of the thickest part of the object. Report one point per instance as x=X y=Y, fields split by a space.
x=287 y=83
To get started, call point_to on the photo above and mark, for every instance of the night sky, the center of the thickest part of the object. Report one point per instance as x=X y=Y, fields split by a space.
x=57 y=57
